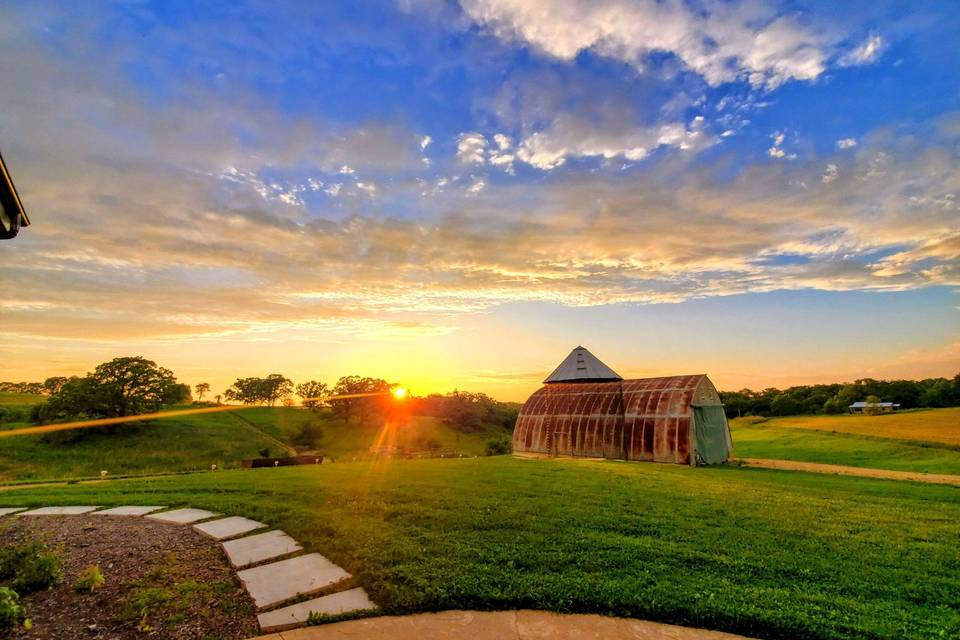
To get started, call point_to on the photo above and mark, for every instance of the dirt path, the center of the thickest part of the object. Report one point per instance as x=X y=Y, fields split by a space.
x=816 y=467
x=505 y=625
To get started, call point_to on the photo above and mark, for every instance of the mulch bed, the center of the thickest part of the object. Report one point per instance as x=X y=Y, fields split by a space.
x=161 y=581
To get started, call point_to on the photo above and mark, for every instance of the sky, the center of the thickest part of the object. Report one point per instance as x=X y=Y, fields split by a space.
x=455 y=194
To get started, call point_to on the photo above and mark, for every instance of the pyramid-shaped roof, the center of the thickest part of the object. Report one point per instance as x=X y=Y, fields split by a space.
x=582 y=366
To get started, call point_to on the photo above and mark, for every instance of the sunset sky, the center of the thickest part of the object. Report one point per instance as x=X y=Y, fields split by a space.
x=454 y=195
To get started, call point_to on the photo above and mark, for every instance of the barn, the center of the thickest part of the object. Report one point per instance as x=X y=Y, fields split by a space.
x=585 y=409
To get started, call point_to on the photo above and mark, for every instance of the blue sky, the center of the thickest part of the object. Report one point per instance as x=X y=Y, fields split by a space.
x=456 y=193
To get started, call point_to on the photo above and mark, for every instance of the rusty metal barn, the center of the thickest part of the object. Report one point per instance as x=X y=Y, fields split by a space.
x=586 y=409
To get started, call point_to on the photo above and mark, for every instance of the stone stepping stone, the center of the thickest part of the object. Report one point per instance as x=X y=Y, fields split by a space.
x=182 y=516
x=127 y=511
x=278 y=582
x=58 y=511
x=5 y=511
x=297 y=614
x=259 y=547
x=228 y=527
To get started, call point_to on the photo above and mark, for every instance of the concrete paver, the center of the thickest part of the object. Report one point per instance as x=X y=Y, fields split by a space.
x=182 y=516
x=228 y=527
x=502 y=625
x=297 y=614
x=130 y=510
x=8 y=510
x=278 y=582
x=58 y=511
x=259 y=547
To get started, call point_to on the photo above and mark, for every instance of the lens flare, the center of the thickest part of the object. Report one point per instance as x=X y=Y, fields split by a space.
x=399 y=393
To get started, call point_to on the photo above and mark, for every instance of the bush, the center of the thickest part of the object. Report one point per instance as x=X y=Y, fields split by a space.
x=12 y=558
x=32 y=567
x=499 y=447
x=10 y=609
x=308 y=436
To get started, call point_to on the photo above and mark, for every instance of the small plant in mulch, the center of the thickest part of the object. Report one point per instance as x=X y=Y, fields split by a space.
x=10 y=609
x=90 y=580
x=166 y=596
x=31 y=566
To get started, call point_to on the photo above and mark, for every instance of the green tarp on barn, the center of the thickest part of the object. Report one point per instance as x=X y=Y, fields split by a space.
x=710 y=432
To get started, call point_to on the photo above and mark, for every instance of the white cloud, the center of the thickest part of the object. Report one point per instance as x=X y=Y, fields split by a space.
x=471 y=148
x=831 y=174
x=334 y=189
x=367 y=187
x=503 y=142
x=346 y=170
x=425 y=142
x=868 y=51
x=776 y=151
x=477 y=186
x=846 y=143
x=728 y=43
x=572 y=137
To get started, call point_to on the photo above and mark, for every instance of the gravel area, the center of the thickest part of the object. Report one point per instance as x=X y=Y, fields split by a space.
x=161 y=581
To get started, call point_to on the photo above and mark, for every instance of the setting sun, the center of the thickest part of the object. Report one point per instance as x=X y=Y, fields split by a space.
x=399 y=393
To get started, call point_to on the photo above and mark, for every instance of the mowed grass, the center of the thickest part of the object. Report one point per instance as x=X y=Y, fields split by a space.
x=162 y=446
x=773 y=441
x=193 y=443
x=342 y=440
x=928 y=425
x=8 y=399
x=763 y=553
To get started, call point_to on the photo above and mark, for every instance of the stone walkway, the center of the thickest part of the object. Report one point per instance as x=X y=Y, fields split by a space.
x=499 y=625
x=285 y=584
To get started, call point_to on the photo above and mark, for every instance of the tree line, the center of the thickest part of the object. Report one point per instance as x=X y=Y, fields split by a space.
x=836 y=398
x=134 y=385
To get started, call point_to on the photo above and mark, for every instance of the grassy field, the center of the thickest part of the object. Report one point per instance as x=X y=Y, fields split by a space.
x=340 y=440
x=20 y=399
x=773 y=440
x=196 y=442
x=928 y=425
x=764 y=553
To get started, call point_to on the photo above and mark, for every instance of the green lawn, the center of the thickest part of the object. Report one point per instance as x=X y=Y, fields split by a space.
x=195 y=442
x=20 y=399
x=350 y=440
x=163 y=446
x=764 y=553
x=770 y=440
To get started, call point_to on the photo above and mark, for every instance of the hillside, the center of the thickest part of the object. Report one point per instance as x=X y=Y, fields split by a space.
x=197 y=442
x=924 y=441
x=926 y=425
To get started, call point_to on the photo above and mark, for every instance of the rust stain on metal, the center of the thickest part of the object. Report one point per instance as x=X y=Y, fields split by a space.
x=645 y=419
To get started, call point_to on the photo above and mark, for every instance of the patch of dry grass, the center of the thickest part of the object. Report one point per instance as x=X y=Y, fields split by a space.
x=930 y=425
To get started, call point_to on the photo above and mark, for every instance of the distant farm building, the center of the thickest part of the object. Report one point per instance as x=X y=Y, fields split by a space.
x=586 y=409
x=874 y=407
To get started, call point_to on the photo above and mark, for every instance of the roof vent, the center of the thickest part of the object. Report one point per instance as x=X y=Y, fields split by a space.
x=582 y=366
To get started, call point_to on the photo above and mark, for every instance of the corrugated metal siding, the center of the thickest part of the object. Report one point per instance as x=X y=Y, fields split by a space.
x=647 y=419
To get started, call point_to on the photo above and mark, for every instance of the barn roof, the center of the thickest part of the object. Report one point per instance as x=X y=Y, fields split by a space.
x=582 y=366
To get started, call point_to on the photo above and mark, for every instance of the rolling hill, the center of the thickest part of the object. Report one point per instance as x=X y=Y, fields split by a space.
x=195 y=443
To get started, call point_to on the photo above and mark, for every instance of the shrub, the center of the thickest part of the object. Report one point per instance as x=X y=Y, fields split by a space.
x=308 y=436
x=12 y=558
x=37 y=571
x=498 y=447
x=90 y=580
x=10 y=609
x=265 y=452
